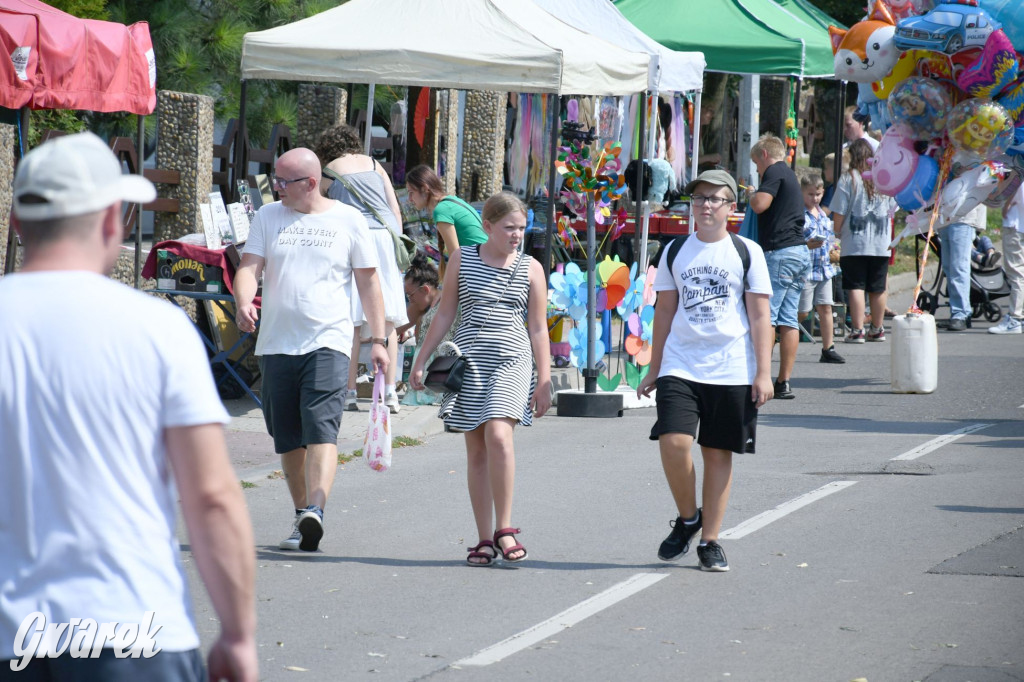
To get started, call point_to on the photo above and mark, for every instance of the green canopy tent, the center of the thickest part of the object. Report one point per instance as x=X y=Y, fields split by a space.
x=763 y=37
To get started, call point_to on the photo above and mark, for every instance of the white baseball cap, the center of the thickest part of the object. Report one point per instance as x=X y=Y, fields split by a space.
x=73 y=175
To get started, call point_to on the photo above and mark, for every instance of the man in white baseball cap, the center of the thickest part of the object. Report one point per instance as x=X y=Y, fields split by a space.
x=106 y=394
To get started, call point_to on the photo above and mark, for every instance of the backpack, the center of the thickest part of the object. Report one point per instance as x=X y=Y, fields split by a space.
x=677 y=243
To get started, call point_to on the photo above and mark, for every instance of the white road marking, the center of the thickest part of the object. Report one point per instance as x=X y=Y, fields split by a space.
x=566 y=619
x=936 y=443
x=763 y=519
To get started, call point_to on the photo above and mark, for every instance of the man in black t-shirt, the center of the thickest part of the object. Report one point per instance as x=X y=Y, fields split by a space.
x=779 y=205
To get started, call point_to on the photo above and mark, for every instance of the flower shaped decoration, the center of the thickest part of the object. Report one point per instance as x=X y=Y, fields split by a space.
x=578 y=347
x=566 y=233
x=570 y=291
x=585 y=175
x=613 y=282
x=641 y=335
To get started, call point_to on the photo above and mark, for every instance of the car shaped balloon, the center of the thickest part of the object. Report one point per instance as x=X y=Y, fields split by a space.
x=948 y=28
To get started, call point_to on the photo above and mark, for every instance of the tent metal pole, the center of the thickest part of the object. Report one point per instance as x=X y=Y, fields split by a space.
x=369 y=116
x=650 y=154
x=140 y=151
x=19 y=152
x=554 y=110
x=695 y=145
x=638 y=203
x=242 y=134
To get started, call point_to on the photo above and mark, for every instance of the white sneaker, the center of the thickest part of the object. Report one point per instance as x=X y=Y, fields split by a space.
x=292 y=541
x=352 y=402
x=1007 y=325
x=391 y=400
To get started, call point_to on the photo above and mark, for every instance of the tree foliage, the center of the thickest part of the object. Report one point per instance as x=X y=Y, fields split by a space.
x=847 y=12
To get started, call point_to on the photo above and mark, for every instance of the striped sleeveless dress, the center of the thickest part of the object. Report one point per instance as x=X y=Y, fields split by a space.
x=499 y=374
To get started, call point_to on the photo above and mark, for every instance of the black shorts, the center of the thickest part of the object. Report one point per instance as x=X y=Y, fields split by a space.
x=166 y=666
x=867 y=273
x=726 y=414
x=303 y=397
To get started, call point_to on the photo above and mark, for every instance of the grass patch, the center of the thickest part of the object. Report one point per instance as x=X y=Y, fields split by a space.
x=345 y=459
x=405 y=441
x=905 y=258
x=247 y=484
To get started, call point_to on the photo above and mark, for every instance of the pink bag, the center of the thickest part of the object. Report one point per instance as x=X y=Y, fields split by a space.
x=377 y=443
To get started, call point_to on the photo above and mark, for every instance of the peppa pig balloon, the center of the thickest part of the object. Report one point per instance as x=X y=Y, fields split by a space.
x=895 y=161
x=919 y=191
x=922 y=104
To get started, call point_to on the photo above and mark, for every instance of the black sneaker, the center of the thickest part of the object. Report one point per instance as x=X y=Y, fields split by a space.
x=830 y=355
x=678 y=541
x=712 y=557
x=311 y=528
x=782 y=391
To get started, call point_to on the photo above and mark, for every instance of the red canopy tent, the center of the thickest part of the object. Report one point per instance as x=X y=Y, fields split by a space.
x=58 y=61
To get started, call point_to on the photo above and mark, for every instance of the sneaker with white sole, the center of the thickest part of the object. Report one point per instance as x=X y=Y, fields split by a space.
x=292 y=541
x=875 y=333
x=678 y=541
x=352 y=401
x=712 y=557
x=1007 y=325
x=855 y=336
x=310 y=524
x=391 y=401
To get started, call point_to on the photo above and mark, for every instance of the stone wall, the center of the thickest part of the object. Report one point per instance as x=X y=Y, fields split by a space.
x=320 y=107
x=184 y=144
x=8 y=142
x=450 y=130
x=483 y=147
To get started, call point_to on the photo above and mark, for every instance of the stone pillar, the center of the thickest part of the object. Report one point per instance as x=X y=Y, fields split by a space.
x=184 y=144
x=320 y=107
x=8 y=142
x=450 y=130
x=483 y=149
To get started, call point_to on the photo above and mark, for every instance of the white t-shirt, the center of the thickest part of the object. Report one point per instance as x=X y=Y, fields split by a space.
x=307 y=277
x=709 y=341
x=91 y=374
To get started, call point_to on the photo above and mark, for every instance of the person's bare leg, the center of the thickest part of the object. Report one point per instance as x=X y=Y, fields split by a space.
x=856 y=304
x=293 y=464
x=479 y=483
x=353 y=363
x=825 y=325
x=878 y=300
x=389 y=332
x=321 y=465
x=677 y=463
x=789 y=341
x=715 y=493
x=501 y=465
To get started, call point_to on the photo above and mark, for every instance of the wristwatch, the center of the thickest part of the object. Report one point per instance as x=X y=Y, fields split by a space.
x=383 y=342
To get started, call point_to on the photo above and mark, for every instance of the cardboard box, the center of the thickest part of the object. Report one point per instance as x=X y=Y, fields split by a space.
x=185 y=274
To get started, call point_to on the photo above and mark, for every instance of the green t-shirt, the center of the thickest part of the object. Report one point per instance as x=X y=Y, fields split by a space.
x=468 y=227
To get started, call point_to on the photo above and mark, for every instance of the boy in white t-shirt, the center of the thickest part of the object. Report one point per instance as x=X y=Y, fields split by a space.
x=711 y=362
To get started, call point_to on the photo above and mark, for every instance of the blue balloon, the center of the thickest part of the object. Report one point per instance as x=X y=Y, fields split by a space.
x=919 y=191
x=1010 y=13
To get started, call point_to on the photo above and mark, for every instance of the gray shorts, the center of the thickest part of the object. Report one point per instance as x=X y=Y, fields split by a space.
x=166 y=666
x=303 y=397
x=815 y=294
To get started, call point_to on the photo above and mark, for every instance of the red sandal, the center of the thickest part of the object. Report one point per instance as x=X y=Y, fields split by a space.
x=509 y=532
x=477 y=553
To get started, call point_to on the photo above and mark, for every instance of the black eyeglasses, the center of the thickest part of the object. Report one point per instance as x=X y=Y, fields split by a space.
x=700 y=200
x=283 y=182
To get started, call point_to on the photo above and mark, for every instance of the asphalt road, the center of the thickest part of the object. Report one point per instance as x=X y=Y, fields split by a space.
x=864 y=545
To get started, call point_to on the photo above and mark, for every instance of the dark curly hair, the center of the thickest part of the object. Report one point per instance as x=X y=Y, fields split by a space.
x=421 y=271
x=337 y=141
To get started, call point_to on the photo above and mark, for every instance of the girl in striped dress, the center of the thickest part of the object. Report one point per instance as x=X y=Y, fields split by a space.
x=498 y=291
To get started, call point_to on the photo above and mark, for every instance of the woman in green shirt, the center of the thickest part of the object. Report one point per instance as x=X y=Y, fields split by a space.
x=457 y=223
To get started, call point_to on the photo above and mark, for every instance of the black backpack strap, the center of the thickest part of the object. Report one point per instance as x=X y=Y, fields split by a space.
x=741 y=249
x=673 y=250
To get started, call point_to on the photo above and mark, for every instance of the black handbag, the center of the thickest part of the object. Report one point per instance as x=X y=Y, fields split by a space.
x=446 y=373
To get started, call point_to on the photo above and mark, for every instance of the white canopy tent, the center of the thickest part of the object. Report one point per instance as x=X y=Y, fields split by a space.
x=508 y=45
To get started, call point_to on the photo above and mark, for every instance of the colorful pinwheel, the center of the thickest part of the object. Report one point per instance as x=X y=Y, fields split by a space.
x=600 y=178
x=570 y=291
x=578 y=347
x=613 y=282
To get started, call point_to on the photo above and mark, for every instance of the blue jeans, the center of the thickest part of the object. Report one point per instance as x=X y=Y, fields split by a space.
x=956 y=240
x=788 y=269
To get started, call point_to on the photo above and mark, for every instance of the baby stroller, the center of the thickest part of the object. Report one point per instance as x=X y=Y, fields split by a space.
x=987 y=285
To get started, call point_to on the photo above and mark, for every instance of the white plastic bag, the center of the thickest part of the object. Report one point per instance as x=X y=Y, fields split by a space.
x=377 y=443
